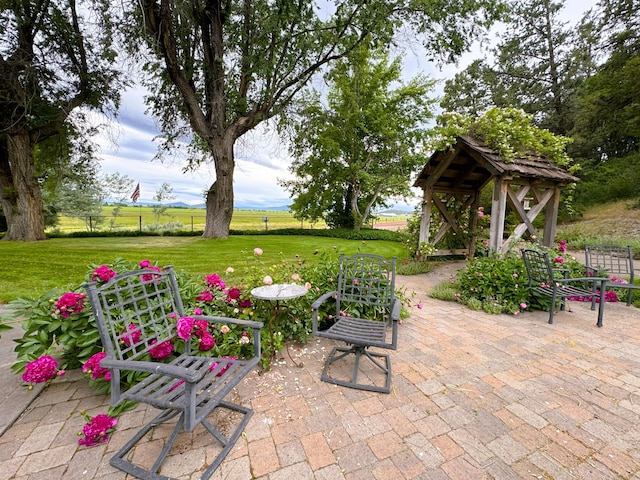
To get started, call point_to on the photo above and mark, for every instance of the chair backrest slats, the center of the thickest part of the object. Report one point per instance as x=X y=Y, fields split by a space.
x=609 y=258
x=367 y=280
x=137 y=311
x=538 y=267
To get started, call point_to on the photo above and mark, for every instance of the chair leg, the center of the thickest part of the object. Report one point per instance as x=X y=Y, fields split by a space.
x=359 y=352
x=553 y=307
x=601 y=307
x=120 y=462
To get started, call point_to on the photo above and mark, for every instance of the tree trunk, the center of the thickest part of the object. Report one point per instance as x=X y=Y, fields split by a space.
x=20 y=193
x=219 y=200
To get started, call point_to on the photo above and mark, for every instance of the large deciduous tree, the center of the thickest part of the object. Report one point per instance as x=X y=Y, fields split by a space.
x=55 y=56
x=223 y=67
x=360 y=150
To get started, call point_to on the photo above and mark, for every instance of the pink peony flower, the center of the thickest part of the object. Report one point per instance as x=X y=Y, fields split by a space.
x=200 y=327
x=102 y=273
x=229 y=270
x=244 y=303
x=267 y=280
x=214 y=280
x=233 y=293
x=257 y=251
x=133 y=336
x=244 y=339
x=147 y=277
x=205 y=296
x=224 y=328
x=145 y=263
x=558 y=260
x=207 y=342
x=93 y=367
x=295 y=277
x=162 y=350
x=97 y=430
x=225 y=368
x=40 y=370
x=69 y=303
x=184 y=327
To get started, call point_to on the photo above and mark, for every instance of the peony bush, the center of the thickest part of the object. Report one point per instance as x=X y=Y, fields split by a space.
x=60 y=332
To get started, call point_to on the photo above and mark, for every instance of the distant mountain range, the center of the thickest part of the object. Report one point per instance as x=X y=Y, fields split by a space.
x=238 y=205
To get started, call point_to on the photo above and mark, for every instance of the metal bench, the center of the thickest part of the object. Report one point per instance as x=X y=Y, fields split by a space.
x=543 y=281
x=189 y=387
x=365 y=283
x=612 y=259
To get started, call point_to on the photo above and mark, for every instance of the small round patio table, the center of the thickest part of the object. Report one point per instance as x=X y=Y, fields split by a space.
x=276 y=293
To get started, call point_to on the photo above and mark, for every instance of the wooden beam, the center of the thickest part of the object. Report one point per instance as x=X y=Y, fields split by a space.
x=425 y=220
x=441 y=168
x=551 y=218
x=542 y=198
x=498 y=213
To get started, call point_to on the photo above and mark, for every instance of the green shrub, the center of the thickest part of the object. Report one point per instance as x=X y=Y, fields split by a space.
x=498 y=284
x=445 y=291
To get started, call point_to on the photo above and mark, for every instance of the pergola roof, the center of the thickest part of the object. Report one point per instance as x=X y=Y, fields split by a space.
x=474 y=164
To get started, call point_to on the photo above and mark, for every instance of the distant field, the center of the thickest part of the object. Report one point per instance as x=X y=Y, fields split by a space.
x=191 y=219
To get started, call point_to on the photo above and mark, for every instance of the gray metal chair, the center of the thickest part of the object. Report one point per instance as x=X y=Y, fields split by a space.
x=612 y=259
x=365 y=310
x=188 y=386
x=544 y=281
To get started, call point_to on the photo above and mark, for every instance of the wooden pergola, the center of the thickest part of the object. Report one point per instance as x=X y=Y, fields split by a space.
x=528 y=185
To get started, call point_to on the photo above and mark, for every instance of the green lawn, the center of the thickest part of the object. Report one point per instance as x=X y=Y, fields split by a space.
x=30 y=269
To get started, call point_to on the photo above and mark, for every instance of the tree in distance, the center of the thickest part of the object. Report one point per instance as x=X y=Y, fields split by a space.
x=359 y=151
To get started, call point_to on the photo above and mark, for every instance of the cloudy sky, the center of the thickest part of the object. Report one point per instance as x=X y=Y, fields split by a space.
x=128 y=146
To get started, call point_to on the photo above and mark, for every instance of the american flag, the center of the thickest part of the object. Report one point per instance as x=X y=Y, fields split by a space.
x=136 y=194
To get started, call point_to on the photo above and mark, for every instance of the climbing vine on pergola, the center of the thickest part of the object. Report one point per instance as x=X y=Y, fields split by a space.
x=530 y=185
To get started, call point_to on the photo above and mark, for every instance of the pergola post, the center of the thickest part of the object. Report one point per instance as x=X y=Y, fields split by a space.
x=498 y=213
x=551 y=219
x=425 y=221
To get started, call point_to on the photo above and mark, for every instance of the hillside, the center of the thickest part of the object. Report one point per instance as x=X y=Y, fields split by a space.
x=614 y=222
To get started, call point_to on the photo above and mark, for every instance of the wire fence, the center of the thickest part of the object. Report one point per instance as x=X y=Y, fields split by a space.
x=174 y=223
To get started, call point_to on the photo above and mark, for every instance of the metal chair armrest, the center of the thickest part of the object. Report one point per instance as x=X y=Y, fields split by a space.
x=316 y=304
x=174 y=371
x=229 y=320
x=396 y=306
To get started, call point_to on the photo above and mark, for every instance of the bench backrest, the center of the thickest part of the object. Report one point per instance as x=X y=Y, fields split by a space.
x=136 y=311
x=610 y=259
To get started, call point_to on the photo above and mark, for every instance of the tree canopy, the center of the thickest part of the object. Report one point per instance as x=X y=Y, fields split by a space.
x=55 y=57
x=222 y=68
x=358 y=151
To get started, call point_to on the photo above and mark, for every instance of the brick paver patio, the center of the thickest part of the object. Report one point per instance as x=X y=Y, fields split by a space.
x=474 y=396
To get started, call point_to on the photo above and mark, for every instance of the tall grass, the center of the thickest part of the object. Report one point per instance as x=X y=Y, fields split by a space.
x=615 y=223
